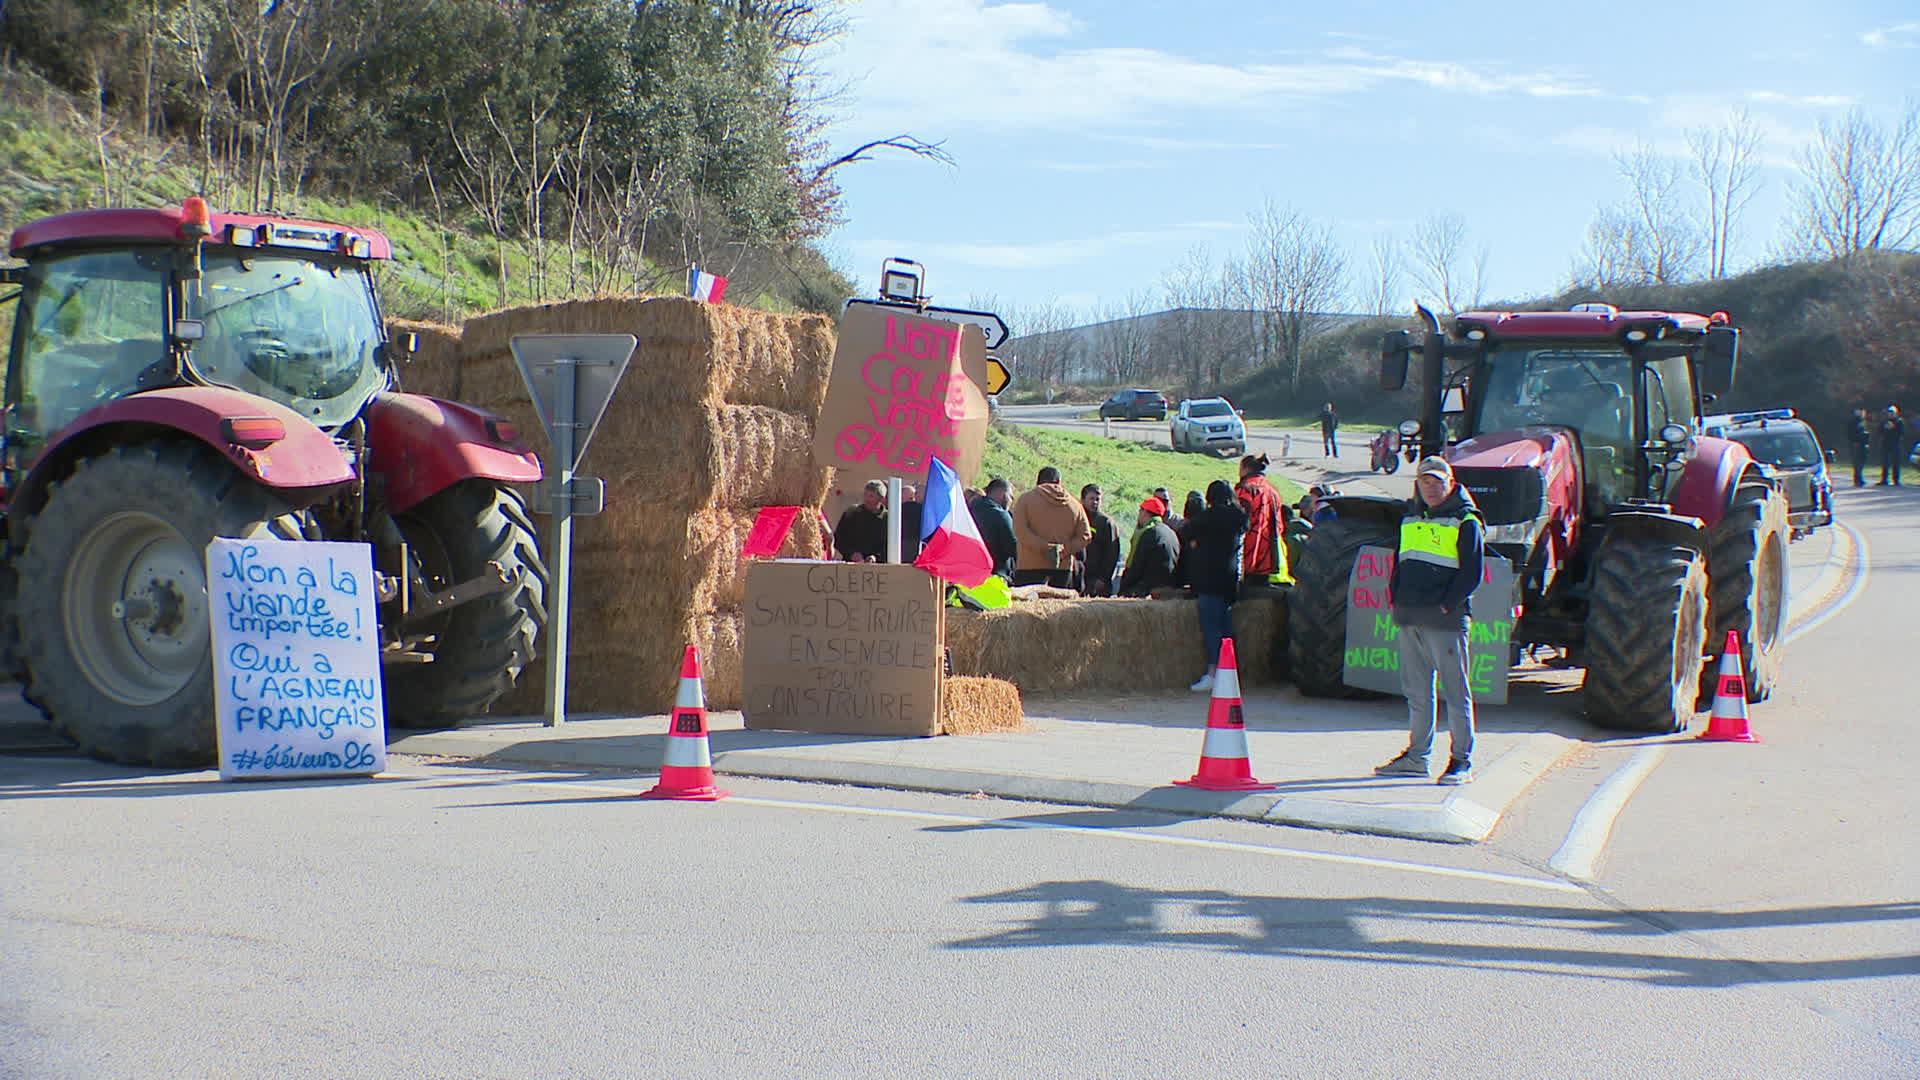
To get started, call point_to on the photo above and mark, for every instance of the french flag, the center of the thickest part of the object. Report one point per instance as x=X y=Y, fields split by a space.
x=704 y=286
x=950 y=545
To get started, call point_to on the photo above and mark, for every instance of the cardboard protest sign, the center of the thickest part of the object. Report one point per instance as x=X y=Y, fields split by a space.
x=1373 y=651
x=843 y=647
x=296 y=659
x=904 y=390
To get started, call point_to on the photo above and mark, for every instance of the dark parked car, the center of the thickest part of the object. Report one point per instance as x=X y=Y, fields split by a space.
x=1777 y=438
x=1135 y=405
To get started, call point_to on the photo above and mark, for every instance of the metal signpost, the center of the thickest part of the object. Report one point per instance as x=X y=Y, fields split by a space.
x=571 y=378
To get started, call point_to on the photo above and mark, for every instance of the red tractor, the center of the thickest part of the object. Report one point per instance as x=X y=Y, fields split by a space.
x=1638 y=543
x=178 y=375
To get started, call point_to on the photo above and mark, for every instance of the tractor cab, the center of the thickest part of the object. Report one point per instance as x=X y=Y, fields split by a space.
x=113 y=303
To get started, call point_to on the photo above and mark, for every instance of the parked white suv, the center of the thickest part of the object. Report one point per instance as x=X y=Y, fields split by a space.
x=1208 y=425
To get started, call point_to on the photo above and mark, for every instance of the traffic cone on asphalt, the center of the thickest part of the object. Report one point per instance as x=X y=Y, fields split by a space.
x=686 y=769
x=1223 y=756
x=1729 y=720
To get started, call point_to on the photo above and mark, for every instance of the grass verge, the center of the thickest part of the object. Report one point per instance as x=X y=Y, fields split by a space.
x=1127 y=471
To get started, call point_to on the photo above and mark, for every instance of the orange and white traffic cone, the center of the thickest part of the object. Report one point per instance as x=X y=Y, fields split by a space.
x=1223 y=756
x=686 y=769
x=1729 y=720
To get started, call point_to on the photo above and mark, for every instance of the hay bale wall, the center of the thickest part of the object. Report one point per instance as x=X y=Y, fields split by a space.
x=713 y=421
x=1061 y=646
x=435 y=367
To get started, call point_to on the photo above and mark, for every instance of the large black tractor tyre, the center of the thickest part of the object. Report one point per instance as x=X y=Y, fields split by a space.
x=1747 y=587
x=482 y=646
x=1646 y=636
x=112 y=615
x=1317 y=606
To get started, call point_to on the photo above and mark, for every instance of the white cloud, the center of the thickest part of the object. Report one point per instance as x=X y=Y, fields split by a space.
x=1809 y=101
x=944 y=65
x=1904 y=35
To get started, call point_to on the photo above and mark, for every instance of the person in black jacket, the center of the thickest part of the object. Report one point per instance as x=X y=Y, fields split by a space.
x=1212 y=546
x=1101 y=557
x=1434 y=574
x=1195 y=506
x=861 y=535
x=1860 y=436
x=995 y=522
x=1155 y=554
x=1893 y=445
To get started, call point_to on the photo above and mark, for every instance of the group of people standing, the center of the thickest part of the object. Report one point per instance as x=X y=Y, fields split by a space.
x=1890 y=434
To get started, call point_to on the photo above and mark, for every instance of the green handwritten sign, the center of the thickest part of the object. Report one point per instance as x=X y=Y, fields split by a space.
x=1373 y=651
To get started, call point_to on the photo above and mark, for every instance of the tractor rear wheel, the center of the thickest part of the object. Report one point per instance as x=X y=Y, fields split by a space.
x=1317 y=607
x=113 y=620
x=1747 y=586
x=481 y=647
x=1646 y=636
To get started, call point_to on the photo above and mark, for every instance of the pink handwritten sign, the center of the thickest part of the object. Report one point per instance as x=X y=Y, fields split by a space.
x=904 y=390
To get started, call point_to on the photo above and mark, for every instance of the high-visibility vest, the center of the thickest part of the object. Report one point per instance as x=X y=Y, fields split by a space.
x=1433 y=540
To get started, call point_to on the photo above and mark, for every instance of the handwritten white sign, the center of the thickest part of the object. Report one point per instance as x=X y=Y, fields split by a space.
x=296 y=659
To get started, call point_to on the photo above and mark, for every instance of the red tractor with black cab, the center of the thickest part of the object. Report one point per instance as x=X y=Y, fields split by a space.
x=177 y=375
x=1637 y=542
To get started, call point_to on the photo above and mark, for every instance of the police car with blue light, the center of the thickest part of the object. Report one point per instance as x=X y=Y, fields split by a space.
x=1778 y=438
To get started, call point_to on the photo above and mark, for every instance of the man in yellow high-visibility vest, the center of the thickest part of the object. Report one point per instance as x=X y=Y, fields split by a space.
x=1434 y=575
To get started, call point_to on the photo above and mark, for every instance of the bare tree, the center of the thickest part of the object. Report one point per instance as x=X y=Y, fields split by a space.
x=1122 y=340
x=1383 y=282
x=1187 y=290
x=1042 y=353
x=1668 y=240
x=1726 y=165
x=1859 y=186
x=1298 y=273
x=1443 y=268
x=1610 y=257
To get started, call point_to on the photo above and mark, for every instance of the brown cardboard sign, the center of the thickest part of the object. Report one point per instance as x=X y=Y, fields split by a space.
x=852 y=648
x=904 y=389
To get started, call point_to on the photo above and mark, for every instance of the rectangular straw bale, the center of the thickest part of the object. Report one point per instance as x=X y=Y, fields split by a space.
x=434 y=369
x=689 y=351
x=977 y=706
x=1056 y=646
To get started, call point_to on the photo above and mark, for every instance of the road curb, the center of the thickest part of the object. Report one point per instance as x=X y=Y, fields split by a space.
x=1467 y=816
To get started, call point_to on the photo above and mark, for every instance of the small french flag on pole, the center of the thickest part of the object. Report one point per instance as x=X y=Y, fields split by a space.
x=950 y=545
x=704 y=286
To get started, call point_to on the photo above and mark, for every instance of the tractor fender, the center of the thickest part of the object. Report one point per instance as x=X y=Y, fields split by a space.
x=421 y=446
x=1375 y=508
x=301 y=466
x=1683 y=530
x=1710 y=478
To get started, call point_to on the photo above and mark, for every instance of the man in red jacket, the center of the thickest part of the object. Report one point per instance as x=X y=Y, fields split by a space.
x=1263 y=560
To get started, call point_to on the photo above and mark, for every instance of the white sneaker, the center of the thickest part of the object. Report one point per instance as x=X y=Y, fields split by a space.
x=1204 y=685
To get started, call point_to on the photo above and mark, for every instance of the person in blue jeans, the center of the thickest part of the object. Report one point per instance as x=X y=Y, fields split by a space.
x=1212 y=559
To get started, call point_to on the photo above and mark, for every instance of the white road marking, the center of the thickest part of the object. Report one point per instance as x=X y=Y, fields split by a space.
x=1859 y=568
x=1236 y=847
x=1591 y=827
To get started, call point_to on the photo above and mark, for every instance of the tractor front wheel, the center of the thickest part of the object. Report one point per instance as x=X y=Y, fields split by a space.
x=112 y=615
x=1317 y=606
x=1646 y=636
x=481 y=646
x=1747 y=586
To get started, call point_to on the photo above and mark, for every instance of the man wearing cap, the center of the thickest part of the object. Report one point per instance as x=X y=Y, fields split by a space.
x=1154 y=553
x=1434 y=575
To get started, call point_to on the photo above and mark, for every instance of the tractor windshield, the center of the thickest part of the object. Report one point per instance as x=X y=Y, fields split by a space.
x=1583 y=389
x=299 y=329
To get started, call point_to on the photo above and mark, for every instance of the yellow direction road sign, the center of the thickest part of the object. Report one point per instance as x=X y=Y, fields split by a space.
x=997 y=375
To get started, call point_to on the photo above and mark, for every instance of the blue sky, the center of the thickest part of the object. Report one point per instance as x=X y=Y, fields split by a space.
x=1096 y=143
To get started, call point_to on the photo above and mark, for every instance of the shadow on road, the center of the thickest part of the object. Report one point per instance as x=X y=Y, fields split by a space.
x=1351 y=928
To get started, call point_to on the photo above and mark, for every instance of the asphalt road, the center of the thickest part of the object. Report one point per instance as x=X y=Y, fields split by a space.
x=1750 y=910
x=453 y=922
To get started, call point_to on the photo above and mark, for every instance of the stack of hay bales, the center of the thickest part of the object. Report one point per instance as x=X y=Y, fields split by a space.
x=434 y=369
x=713 y=420
x=976 y=706
x=1064 y=646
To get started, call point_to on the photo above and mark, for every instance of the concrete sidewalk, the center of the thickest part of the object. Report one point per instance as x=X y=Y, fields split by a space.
x=1122 y=752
